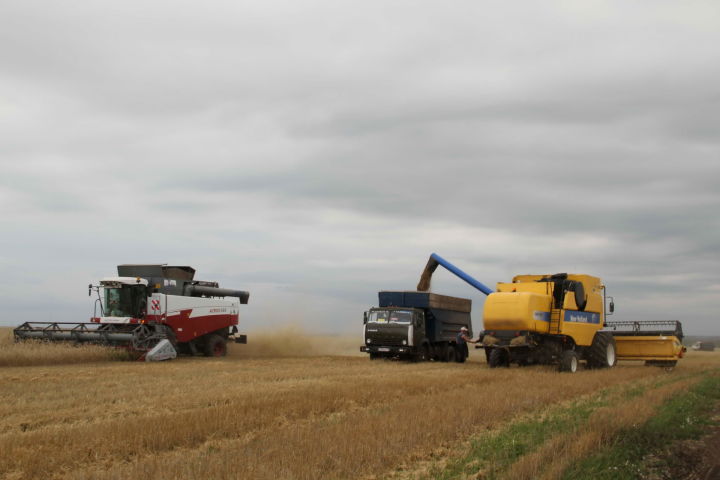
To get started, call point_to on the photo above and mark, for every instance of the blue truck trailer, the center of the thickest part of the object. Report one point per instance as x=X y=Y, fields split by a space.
x=419 y=326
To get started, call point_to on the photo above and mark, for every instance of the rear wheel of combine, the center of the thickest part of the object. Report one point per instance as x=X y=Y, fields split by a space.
x=498 y=358
x=215 y=346
x=602 y=351
x=569 y=361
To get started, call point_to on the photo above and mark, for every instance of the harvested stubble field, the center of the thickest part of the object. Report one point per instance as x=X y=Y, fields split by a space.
x=289 y=406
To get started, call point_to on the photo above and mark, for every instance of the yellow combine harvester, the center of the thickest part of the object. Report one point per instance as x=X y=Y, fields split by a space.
x=560 y=319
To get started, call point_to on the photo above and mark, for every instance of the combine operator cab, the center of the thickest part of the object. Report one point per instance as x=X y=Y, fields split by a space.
x=122 y=299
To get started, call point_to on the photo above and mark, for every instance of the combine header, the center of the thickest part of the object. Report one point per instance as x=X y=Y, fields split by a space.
x=657 y=342
x=155 y=310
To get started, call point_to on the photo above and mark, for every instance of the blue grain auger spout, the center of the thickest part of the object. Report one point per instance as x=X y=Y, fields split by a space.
x=432 y=264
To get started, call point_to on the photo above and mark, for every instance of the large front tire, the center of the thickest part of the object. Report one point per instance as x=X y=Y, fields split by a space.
x=602 y=352
x=498 y=358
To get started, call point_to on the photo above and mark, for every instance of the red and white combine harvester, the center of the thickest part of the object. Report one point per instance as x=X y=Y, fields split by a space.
x=155 y=310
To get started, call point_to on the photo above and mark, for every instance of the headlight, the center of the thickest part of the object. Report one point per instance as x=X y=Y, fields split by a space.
x=404 y=342
x=367 y=340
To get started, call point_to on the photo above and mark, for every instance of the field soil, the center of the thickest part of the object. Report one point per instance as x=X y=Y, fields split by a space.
x=689 y=459
x=284 y=406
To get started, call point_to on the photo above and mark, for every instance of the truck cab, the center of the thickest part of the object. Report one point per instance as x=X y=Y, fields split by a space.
x=393 y=331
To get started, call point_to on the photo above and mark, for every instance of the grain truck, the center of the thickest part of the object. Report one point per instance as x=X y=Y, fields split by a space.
x=154 y=310
x=416 y=326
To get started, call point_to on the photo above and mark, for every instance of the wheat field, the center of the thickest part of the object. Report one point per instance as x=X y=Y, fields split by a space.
x=284 y=406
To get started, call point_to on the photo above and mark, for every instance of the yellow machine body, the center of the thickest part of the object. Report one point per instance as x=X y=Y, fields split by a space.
x=528 y=304
x=649 y=348
x=560 y=319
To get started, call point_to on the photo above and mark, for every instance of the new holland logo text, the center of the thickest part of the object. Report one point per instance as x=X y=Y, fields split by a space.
x=582 y=317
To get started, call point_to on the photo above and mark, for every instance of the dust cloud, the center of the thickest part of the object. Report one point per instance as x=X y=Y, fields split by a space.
x=293 y=341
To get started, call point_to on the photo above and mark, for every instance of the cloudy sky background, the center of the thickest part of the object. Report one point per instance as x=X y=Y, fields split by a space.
x=316 y=152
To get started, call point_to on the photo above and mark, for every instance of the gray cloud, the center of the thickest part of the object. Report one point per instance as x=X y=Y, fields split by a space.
x=317 y=153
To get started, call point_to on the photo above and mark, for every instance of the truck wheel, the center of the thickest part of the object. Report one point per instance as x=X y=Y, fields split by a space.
x=374 y=356
x=498 y=358
x=602 y=351
x=215 y=346
x=451 y=353
x=423 y=354
x=569 y=361
x=442 y=352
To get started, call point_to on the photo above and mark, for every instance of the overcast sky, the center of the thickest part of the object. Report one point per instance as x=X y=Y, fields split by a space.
x=316 y=152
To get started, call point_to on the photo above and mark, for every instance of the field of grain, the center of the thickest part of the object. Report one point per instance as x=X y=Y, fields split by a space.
x=284 y=406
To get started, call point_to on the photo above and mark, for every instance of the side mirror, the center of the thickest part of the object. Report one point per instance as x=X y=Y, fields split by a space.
x=612 y=306
x=89 y=289
x=364 y=317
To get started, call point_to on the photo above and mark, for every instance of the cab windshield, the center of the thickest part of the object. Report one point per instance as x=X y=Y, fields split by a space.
x=390 y=316
x=124 y=301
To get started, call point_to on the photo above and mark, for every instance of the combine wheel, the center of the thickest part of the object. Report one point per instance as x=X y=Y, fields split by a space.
x=602 y=351
x=215 y=346
x=498 y=358
x=569 y=361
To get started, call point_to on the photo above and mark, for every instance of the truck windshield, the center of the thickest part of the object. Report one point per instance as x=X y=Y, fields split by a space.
x=390 y=316
x=125 y=301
